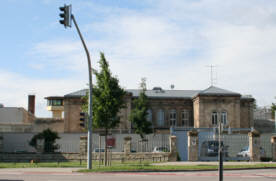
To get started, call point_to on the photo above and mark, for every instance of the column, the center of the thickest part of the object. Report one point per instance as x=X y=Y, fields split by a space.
x=254 y=145
x=127 y=145
x=173 y=149
x=192 y=145
x=83 y=145
x=273 y=145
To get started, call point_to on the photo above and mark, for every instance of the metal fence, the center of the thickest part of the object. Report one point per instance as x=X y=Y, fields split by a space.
x=70 y=142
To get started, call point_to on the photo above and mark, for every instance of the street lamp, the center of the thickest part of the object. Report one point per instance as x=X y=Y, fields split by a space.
x=67 y=17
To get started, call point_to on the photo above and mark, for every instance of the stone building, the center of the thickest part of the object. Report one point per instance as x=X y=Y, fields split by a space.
x=173 y=108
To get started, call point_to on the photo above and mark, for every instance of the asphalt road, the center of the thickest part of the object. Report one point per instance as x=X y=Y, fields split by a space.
x=67 y=175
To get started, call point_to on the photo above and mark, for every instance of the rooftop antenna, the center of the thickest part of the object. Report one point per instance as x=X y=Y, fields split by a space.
x=213 y=79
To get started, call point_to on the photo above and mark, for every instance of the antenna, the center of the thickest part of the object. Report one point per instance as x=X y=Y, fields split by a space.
x=213 y=80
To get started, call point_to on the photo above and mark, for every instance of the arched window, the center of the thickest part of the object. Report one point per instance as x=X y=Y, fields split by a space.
x=224 y=118
x=214 y=118
x=185 y=117
x=172 y=117
x=160 y=118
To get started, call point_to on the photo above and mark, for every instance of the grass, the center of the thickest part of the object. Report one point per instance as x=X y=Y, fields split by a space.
x=133 y=166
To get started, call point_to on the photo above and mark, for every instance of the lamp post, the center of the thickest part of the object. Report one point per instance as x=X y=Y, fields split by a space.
x=66 y=21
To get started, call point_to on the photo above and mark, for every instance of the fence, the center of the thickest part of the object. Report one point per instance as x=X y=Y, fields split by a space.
x=235 y=146
x=70 y=142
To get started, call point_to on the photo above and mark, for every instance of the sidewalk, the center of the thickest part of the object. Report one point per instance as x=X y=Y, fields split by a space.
x=39 y=170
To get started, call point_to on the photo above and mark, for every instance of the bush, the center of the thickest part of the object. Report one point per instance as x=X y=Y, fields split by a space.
x=49 y=138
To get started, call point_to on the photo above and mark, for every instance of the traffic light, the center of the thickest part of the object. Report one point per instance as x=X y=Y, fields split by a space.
x=65 y=15
x=83 y=119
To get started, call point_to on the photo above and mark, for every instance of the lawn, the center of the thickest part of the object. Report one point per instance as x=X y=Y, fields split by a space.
x=133 y=166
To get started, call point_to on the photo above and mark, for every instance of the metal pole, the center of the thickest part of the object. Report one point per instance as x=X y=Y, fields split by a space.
x=89 y=133
x=220 y=152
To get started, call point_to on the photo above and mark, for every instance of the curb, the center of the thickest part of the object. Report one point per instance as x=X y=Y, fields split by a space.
x=192 y=170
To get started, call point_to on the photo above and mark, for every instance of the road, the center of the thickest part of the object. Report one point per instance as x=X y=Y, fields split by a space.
x=44 y=174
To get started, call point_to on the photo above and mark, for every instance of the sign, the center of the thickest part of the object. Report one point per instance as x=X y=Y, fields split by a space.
x=111 y=141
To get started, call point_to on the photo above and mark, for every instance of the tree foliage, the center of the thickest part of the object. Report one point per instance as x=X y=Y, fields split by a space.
x=139 y=113
x=49 y=138
x=108 y=99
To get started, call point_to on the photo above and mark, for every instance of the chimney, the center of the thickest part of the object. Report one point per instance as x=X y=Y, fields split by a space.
x=31 y=104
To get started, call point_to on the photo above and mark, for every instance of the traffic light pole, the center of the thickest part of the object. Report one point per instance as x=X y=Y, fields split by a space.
x=220 y=152
x=89 y=133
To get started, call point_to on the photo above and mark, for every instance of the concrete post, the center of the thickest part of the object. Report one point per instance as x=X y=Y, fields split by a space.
x=192 y=145
x=127 y=145
x=1 y=144
x=273 y=145
x=173 y=150
x=83 y=145
x=254 y=145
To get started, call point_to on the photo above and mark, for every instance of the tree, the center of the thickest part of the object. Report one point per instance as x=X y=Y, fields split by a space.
x=139 y=113
x=49 y=138
x=108 y=99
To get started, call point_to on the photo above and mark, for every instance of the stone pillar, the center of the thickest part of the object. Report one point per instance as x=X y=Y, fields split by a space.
x=192 y=145
x=127 y=145
x=273 y=145
x=254 y=145
x=83 y=145
x=173 y=150
x=40 y=145
x=1 y=144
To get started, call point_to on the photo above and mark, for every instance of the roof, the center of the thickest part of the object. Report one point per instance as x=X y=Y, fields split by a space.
x=53 y=97
x=215 y=91
x=79 y=93
x=165 y=93
x=160 y=93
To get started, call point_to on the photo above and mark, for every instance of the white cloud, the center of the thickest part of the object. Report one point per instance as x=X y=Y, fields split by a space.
x=15 y=89
x=171 y=43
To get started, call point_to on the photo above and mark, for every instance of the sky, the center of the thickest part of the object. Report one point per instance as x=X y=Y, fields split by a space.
x=169 y=42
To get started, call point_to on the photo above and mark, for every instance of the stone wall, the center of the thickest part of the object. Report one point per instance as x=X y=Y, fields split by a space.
x=59 y=157
x=72 y=109
x=169 y=104
x=205 y=105
x=41 y=124
x=125 y=114
x=246 y=113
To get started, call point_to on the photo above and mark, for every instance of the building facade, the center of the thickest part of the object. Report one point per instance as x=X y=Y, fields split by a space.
x=172 y=108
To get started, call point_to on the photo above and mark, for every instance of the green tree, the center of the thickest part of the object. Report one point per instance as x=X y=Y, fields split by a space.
x=273 y=108
x=49 y=138
x=139 y=113
x=108 y=99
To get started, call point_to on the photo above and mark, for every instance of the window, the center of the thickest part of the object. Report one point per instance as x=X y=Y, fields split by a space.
x=149 y=115
x=55 y=102
x=160 y=117
x=214 y=118
x=185 y=118
x=173 y=117
x=224 y=118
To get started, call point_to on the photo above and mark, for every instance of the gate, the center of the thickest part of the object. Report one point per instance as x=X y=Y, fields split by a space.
x=182 y=144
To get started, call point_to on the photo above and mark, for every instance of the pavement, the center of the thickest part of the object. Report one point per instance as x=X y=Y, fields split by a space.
x=67 y=174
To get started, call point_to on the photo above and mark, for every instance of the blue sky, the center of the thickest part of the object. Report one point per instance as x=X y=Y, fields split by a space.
x=168 y=42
